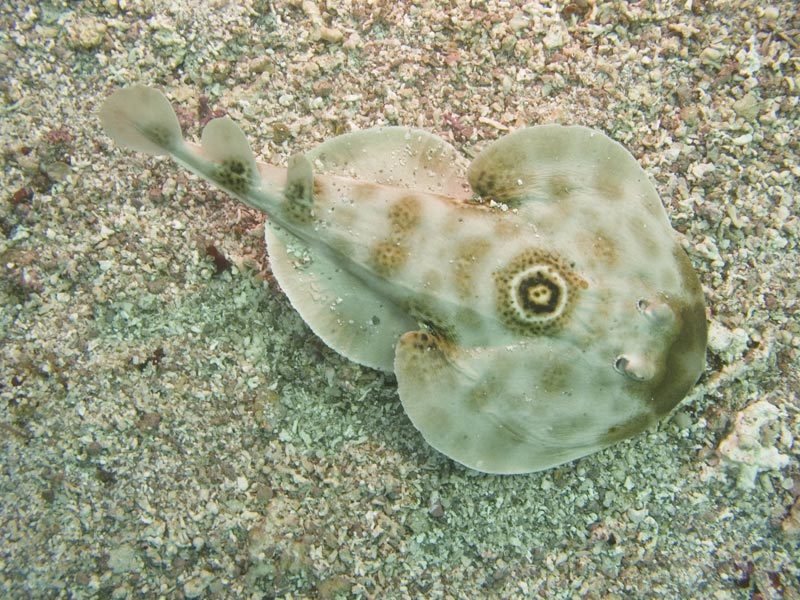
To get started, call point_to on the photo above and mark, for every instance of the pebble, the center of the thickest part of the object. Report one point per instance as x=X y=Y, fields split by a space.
x=353 y=42
x=195 y=587
x=772 y=13
x=556 y=37
x=747 y=106
x=518 y=22
x=711 y=56
x=86 y=33
x=122 y=559
x=331 y=35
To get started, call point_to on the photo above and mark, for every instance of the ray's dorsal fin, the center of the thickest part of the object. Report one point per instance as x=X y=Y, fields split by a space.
x=299 y=190
x=224 y=144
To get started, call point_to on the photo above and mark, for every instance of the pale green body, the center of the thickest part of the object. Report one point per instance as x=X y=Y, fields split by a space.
x=534 y=307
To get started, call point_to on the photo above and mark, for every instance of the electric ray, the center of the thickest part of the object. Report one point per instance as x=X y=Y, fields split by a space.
x=534 y=305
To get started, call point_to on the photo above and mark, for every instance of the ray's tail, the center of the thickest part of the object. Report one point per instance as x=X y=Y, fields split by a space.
x=142 y=119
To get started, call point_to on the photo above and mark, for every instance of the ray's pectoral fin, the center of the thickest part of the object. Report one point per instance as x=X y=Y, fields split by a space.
x=510 y=409
x=558 y=164
x=346 y=310
x=341 y=309
x=447 y=393
x=397 y=156
x=432 y=389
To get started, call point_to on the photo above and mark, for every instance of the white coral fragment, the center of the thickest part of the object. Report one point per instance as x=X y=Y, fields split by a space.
x=729 y=344
x=751 y=444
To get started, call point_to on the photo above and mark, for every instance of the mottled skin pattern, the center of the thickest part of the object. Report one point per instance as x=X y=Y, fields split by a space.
x=533 y=312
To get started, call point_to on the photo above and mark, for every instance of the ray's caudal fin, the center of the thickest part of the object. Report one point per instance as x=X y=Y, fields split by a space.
x=142 y=119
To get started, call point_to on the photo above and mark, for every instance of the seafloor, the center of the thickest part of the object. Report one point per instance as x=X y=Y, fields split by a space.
x=170 y=426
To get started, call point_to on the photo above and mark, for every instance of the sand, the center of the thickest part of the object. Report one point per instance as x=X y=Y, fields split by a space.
x=170 y=426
